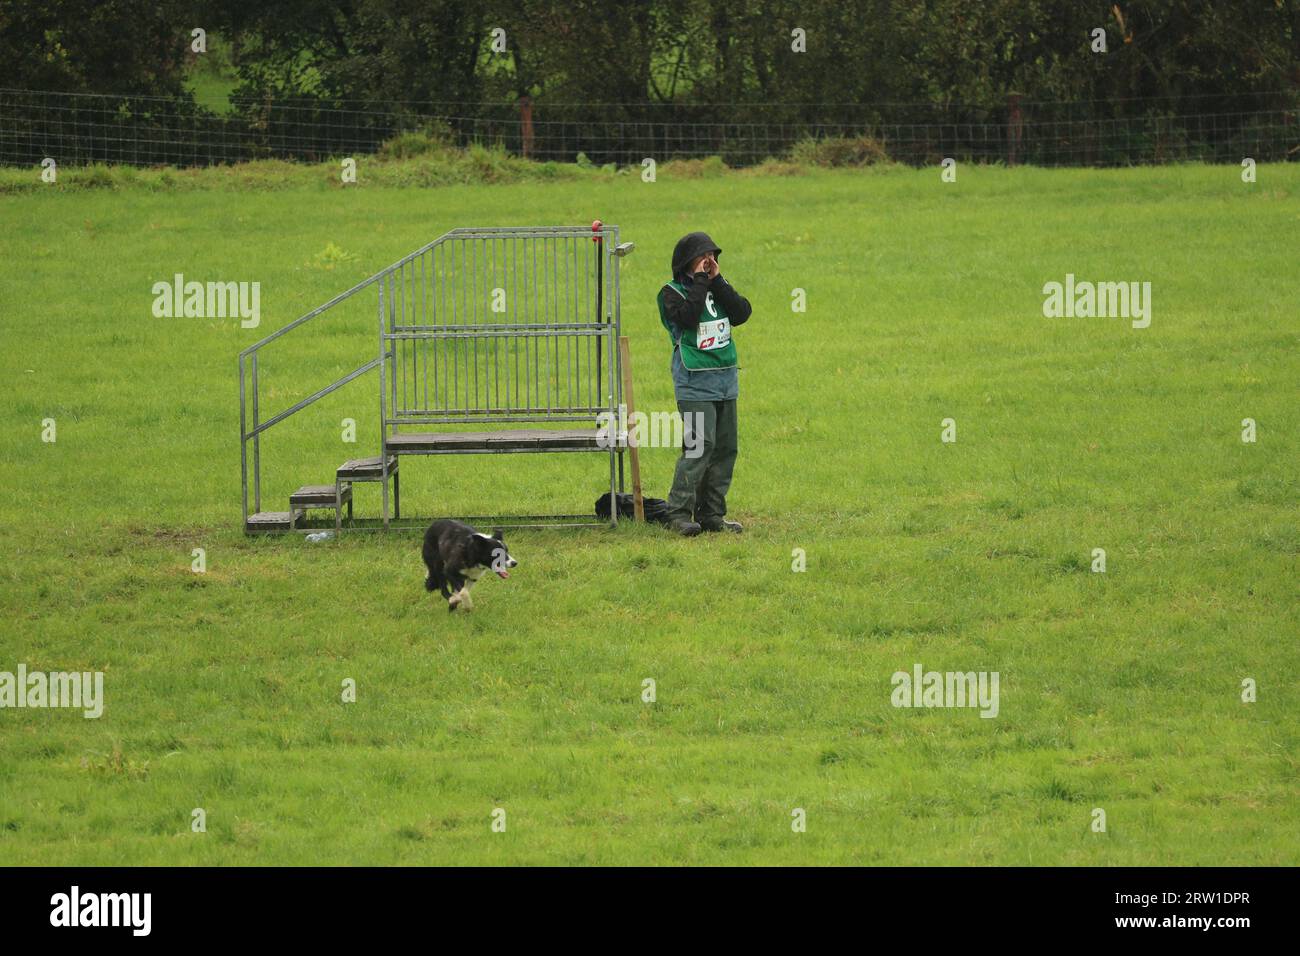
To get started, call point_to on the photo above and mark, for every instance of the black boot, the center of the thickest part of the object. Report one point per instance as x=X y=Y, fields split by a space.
x=735 y=527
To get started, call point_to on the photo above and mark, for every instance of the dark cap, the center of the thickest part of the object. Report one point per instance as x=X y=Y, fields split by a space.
x=691 y=247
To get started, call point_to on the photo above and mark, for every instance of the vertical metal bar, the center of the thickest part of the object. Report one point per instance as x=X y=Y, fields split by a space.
x=412 y=344
x=616 y=265
x=394 y=294
x=507 y=246
x=519 y=315
x=576 y=318
x=243 y=443
x=463 y=344
x=548 y=272
x=568 y=317
x=408 y=319
x=455 y=343
x=497 y=341
x=443 y=274
x=474 y=338
x=498 y=273
x=514 y=315
x=586 y=313
x=407 y=342
x=537 y=385
x=390 y=297
x=537 y=289
x=548 y=280
x=556 y=276
x=257 y=446
x=424 y=322
x=530 y=344
x=383 y=410
x=556 y=255
x=613 y=451
x=600 y=318
x=434 y=318
x=491 y=398
x=395 y=303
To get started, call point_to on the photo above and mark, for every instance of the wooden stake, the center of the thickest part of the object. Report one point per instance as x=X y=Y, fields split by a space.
x=625 y=359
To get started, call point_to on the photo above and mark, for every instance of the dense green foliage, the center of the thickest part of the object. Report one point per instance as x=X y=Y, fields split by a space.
x=667 y=51
x=673 y=77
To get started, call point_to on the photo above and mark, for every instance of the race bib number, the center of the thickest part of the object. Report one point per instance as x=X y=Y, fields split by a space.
x=714 y=334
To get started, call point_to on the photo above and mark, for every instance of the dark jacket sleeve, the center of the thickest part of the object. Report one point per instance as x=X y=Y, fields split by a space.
x=685 y=313
x=736 y=305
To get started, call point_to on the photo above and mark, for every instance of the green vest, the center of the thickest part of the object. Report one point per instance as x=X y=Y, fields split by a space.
x=711 y=346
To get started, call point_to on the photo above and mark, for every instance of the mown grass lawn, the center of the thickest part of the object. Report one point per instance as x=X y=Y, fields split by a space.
x=1120 y=691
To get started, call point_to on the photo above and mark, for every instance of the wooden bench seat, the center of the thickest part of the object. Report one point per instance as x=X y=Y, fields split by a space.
x=517 y=439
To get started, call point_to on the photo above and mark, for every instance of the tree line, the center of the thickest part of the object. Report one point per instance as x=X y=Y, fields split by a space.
x=592 y=62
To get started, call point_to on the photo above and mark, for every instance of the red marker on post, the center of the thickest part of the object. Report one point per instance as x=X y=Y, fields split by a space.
x=596 y=226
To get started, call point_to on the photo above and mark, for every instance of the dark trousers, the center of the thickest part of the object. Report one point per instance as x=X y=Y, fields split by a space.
x=700 y=484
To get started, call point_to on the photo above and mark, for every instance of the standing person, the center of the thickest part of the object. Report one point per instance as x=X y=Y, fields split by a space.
x=699 y=308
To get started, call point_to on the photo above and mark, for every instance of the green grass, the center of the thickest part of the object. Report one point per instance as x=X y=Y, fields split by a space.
x=407 y=160
x=1119 y=690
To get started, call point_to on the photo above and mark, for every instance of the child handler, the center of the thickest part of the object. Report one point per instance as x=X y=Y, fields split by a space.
x=699 y=308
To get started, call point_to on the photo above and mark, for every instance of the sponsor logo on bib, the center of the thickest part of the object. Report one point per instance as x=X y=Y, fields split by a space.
x=713 y=335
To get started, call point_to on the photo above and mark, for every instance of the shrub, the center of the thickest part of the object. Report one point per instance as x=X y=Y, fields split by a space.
x=705 y=168
x=96 y=177
x=775 y=167
x=835 y=151
x=431 y=138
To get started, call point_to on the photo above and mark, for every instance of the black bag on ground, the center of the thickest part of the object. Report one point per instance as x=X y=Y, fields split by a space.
x=656 y=509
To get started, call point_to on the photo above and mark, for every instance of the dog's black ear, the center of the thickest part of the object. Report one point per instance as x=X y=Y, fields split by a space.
x=499 y=534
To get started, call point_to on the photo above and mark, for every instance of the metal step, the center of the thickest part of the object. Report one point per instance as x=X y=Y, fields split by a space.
x=319 y=496
x=273 y=520
x=366 y=469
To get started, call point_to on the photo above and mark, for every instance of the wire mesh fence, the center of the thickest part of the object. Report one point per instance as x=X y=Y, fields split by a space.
x=80 y=128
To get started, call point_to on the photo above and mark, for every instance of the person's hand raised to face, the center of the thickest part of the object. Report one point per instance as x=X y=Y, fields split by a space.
x=707 y=263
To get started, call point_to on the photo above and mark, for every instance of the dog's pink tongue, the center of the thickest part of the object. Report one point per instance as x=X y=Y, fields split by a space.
x=503 y=574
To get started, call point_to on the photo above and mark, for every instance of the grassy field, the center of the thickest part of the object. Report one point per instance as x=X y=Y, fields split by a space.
x=1119 y=690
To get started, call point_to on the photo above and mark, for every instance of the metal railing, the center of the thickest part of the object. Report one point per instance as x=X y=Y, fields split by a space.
x=504 y=325
x=249 y=381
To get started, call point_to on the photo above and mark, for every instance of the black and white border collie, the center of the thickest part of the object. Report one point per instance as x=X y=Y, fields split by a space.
x=457 y=556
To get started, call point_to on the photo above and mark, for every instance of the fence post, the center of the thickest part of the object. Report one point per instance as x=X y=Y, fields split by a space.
x=1015 y=128
x=526 y=125
x=629 y=436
